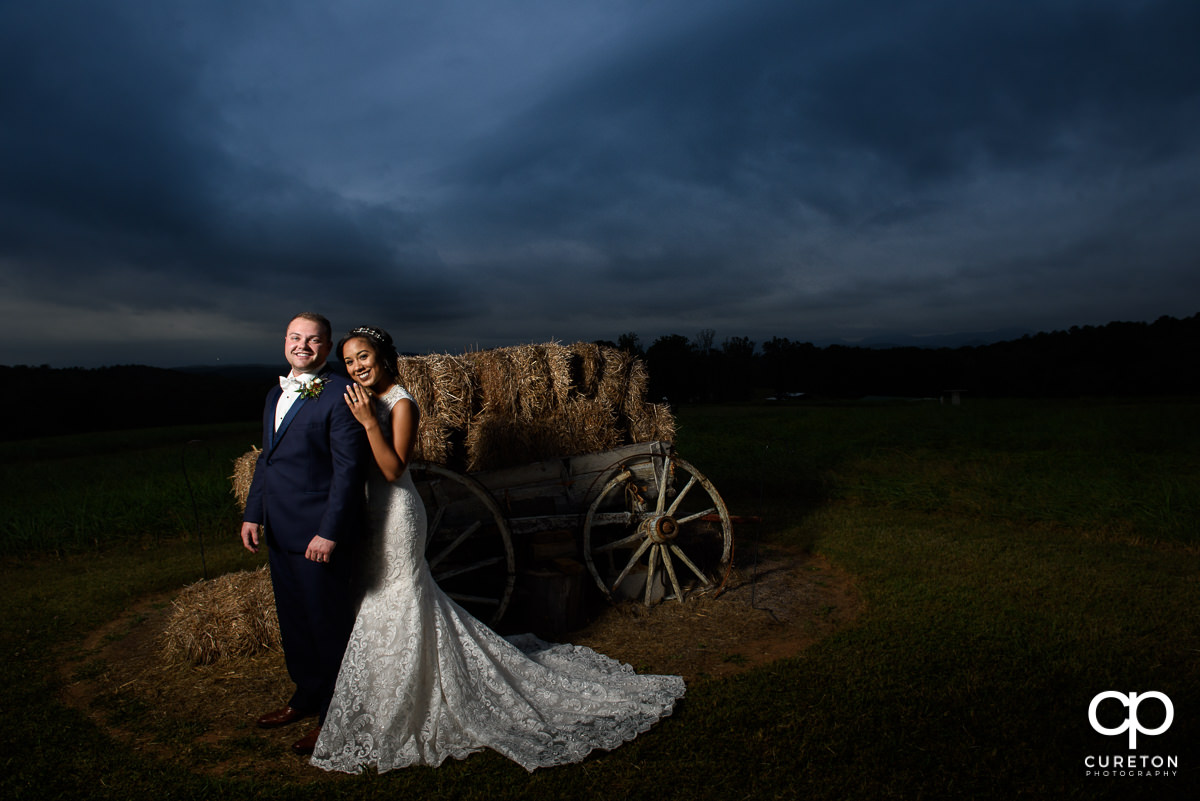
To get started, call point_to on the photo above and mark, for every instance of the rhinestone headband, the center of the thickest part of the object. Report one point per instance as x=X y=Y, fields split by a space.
x=373 y=333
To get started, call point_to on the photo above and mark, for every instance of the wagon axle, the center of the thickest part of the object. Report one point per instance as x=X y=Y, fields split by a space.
x=659 y=529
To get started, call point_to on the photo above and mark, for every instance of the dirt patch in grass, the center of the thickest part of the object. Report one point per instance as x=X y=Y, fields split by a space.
x=772 y=608
x=769 y=611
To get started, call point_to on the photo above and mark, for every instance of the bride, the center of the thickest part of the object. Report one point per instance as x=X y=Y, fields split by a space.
x=422 y=680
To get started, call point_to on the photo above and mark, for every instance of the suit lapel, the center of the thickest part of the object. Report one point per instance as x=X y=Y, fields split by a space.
x=291 y=415
x=287 y=421
x=269 y=419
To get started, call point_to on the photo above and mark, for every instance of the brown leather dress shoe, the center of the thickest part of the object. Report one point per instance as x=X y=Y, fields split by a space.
x=282 y=717
x=307 y=743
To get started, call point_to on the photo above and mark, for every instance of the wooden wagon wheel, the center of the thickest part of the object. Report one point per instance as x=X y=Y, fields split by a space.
x=469 y=546
x=657 y=515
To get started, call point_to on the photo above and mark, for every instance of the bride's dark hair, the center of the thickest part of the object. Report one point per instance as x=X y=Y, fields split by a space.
x=381 y=343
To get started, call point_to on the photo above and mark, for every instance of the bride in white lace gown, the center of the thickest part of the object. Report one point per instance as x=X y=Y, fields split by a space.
x=423 y=680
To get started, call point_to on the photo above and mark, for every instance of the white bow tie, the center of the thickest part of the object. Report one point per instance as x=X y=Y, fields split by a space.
x=293 y=384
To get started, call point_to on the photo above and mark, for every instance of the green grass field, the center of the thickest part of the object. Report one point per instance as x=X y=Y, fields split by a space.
x=1016 y=558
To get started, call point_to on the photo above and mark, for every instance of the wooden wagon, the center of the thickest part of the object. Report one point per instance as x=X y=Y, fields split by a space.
x=645 y=523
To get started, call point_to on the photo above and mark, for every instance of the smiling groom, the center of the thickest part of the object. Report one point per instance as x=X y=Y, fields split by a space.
x=306 y=498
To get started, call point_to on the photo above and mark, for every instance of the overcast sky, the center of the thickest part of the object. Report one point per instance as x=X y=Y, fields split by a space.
x=178 y=177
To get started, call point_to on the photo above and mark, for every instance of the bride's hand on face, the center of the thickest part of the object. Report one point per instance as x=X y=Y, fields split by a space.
x=361 y=403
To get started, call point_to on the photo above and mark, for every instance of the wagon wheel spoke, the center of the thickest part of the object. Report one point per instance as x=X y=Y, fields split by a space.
x=435 y=525
x=458 y=571
x=683 y=558
x=672 y=515
x=473 y=599
x=682 y=494
x=459 y=540
x=468 y=542
x=670 y=566
x=633 y=560
x=655 y=550
x=625 y=542
x=697 y=515
x=662 y=485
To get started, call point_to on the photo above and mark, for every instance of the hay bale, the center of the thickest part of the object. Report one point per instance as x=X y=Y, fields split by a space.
x=416 y=376
x=499 y=389
x=454 y=391
x=433 y=444
x=243 y=474
x=558 y=359
x=652 y=423
x=583 y=425
x=587 y=365
x=536 y=396
x=232 y=615
x=590 y=426
x=442 y=387
x=637 y=385
x=494 y=441
x=613 y=384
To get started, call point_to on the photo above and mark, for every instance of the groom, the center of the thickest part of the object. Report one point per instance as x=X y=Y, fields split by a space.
x=307 y=498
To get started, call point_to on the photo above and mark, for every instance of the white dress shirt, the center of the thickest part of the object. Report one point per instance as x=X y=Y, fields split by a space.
x=289 y=396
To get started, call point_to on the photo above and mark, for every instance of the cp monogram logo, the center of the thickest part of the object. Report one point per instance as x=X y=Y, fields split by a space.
x=1131 y=723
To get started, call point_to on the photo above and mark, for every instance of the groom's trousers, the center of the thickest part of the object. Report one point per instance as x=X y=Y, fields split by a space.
x=316 y=609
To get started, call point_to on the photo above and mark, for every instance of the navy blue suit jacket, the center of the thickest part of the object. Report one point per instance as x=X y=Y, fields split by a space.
x=310 y=476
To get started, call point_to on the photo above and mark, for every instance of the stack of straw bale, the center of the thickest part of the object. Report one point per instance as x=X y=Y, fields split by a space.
x=229 y=616
x=510 y=406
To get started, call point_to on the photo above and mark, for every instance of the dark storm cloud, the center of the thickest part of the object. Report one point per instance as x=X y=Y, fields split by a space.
x=717 y=142
x=94 y=146
x=910 y=93
x=1009 y=88
x=118 y=188
x=475 y=174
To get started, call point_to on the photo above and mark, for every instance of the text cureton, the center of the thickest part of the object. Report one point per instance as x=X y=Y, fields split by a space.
x=1130 y=761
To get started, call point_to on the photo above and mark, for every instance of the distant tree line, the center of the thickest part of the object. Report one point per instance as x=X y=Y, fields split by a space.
x=45 y=401
x=1118 y=359
x=1114 y=360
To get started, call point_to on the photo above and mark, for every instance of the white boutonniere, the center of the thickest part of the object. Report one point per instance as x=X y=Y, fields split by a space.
x=312 y=389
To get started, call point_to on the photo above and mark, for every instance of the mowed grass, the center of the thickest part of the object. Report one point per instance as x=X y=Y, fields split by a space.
x=1015 y=558
x=94 y=493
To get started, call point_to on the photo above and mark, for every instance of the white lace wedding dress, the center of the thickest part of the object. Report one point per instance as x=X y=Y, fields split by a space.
x=422 y=680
